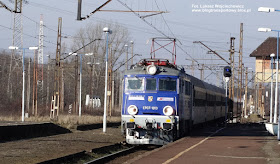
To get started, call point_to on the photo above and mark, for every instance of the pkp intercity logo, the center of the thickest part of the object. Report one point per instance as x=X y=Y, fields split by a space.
x=150 y=98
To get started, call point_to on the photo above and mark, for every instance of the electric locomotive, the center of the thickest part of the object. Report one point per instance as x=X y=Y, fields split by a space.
x=162 y=103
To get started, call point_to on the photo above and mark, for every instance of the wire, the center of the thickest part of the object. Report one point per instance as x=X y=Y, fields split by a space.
x=28 y=35
x=159 y=31
x=80 y=48
x=165 y=21
x=51 y=8
x=66 y=35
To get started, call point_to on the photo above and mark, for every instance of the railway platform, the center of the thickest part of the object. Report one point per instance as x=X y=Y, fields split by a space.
x=15 y=130
x=41 y=142
x=237 y=143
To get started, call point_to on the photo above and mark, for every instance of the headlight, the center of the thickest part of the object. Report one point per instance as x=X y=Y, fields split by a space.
x=151 y=69
x=168 y=111
x=132 y=110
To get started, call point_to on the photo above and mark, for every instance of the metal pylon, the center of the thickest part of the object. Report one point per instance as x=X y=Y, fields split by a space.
x=40 y=63
x=18 y=42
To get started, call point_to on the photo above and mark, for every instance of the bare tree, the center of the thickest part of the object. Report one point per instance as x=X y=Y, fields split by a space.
x=89 y=33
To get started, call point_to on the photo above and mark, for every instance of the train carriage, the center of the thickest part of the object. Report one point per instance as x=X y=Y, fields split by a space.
x=162 y=103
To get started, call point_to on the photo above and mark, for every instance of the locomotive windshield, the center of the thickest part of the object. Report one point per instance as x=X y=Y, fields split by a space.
x=151 y=84
x=167 y=84
x=139 y=84
x=134 y=84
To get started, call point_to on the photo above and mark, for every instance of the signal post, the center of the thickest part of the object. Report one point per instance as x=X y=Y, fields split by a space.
x=227 y=75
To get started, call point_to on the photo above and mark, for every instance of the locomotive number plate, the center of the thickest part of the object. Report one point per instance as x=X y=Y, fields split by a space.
x=150 y=108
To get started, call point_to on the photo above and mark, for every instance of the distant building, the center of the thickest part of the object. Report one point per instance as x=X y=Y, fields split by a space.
x=262 y=55
x=263 y=73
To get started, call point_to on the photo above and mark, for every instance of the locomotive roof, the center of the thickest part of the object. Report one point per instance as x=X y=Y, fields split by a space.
x=136 y=70
x=166 y=68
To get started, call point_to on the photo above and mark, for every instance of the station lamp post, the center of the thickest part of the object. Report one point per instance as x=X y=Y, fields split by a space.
x=131 y=44
x=266 y=9
x=80 y=90
x=126 y=64
x=271 y=95
x=107 y=31
x=23 y=75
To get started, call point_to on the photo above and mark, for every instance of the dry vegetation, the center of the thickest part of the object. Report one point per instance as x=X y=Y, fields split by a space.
x=93 y=77
x=67 y=121
x=253 y=118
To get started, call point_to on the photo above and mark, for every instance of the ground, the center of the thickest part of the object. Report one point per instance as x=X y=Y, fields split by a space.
x=45 y=148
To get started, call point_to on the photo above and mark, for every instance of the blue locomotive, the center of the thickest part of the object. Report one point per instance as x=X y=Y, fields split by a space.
x=162 y=103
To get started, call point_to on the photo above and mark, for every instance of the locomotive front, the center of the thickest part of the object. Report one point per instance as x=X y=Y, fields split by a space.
x=149 y=109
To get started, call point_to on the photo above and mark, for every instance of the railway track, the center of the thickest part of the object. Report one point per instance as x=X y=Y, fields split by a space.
x=117 y=153
x=112 y=156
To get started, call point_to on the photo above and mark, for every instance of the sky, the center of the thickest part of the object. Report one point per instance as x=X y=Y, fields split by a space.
x=185 y=20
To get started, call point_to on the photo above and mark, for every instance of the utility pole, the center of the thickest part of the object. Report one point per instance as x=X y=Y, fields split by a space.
x=132 y=44
x=113 y=91
x=202 y=72
x=34 y=103
x=231 y=92
x=126 y=63
x=120 y=91
x=48 y=83
x=62 y=87
x=79 y=13
x=239 y=91
x=91 y=89
x=246 y=90
x=56 y=95
x=192 y=67
x=28 y=87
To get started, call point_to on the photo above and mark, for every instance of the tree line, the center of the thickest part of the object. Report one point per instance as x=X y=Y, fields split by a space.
x=93 y=75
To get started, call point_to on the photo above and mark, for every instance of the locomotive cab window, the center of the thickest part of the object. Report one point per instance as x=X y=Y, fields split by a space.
x=134 y=84
x=151 y=84
x=167 y=84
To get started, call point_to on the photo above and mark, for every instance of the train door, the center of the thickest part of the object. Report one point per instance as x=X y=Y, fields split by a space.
x=191 y=106
x=188 y=105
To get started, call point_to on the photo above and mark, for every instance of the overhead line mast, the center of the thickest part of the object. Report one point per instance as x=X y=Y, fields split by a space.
x=17 y=42
x=40 y=69
x=240 y=70
x=56 y=94
x=231 y=86
x=79 y=13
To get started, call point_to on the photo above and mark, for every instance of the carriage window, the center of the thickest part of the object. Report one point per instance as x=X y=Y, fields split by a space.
x=151 y=84
x=134 y=84
x=167 y=84
x=187 y=88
